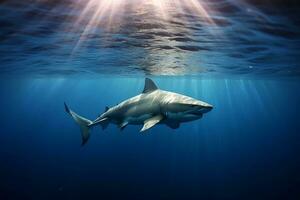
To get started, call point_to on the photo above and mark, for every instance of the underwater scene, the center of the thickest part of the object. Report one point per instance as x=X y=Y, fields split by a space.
x=150 y=99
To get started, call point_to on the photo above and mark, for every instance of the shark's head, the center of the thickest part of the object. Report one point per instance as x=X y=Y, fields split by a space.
x=177 y=105
x=184 y=106
x=201 y=106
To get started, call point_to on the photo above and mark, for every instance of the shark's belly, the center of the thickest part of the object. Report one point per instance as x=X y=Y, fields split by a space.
x=139 y=113
x=138 y=119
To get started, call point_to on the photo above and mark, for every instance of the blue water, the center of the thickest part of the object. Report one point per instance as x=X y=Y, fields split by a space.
x=246 y=147
x=246 y=64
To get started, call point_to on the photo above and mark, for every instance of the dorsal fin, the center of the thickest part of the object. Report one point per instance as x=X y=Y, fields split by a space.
x=106 y=108
x=149 y=86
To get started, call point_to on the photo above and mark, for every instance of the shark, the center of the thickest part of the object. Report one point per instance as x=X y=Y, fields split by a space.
x=153 y=106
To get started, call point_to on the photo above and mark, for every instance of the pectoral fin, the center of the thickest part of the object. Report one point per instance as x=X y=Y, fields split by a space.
x=123 y=125
x=151 y=122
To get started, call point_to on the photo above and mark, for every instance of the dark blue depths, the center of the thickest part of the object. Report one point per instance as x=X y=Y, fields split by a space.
x=247 y=147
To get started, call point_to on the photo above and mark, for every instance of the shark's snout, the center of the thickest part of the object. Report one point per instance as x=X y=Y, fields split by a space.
x=200 y=108
x=206 y=108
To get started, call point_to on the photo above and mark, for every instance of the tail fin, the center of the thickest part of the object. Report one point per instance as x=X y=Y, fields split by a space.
x=82 y=122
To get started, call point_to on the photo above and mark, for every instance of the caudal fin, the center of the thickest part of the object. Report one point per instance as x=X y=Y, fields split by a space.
x=82 y=122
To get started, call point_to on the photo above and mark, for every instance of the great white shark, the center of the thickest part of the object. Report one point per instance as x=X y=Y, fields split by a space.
x=153 y=106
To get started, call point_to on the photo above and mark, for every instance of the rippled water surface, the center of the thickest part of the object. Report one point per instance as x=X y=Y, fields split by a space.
x=230 y=37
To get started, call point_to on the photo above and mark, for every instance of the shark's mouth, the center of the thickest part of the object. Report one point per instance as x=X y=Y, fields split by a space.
x=196 y=112
x=201 y=111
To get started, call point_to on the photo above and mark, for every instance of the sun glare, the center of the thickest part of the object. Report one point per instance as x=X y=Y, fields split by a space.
x=109 y=13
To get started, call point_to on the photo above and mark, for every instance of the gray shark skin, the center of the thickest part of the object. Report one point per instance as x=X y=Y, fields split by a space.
x=153 y=106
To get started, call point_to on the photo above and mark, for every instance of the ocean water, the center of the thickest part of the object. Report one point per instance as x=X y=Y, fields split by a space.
x=240 y=56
